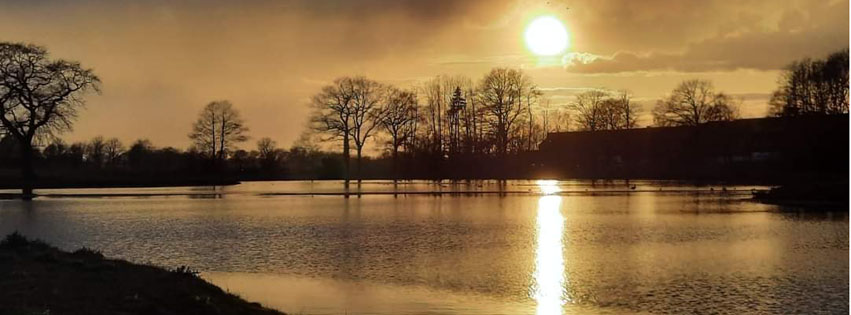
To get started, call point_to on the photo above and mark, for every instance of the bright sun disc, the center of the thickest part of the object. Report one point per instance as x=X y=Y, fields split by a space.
x=546 y=36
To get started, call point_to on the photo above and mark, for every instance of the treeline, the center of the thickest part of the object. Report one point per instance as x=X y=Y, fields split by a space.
x=455 y=127
x=101 y=161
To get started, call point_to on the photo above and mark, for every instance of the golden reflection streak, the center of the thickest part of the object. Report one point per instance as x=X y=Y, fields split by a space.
x=548 y=288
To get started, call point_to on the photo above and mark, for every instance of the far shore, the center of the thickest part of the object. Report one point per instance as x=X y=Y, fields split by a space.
x=825 y=195
x=47 y=183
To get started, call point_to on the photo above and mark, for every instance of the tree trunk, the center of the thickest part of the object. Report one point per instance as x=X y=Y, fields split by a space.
x=346 y=157
x=27 y=171
x=360 y=176
x=395 y=160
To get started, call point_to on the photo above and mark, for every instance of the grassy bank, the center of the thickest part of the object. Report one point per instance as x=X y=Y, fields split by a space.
x=36 y=278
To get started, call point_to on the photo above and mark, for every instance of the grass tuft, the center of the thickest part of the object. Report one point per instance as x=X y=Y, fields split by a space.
x=185 y=271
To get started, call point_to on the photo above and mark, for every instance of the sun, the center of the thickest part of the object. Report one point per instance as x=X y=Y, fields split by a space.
x=546 y=36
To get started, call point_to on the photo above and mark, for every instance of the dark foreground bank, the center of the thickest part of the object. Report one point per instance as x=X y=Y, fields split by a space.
x=36 y=278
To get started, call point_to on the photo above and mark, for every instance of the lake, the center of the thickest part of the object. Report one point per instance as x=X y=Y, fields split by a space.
x=482 y=247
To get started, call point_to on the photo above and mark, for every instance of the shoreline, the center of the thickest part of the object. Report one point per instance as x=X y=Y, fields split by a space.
x=12 y=184
x=37 y=278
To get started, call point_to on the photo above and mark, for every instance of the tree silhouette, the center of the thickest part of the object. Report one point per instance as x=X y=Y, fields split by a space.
x=218 y=127
x=398 y=119
x=501 y=94
x=811 y=87
x=268 y=154
x=113 y=150
x=39 y=98
x=692 y=103
x=96 y=151
x=590 y=110
x=457 y=107
x=366 y=114
x=439 y=95
x=332 y=115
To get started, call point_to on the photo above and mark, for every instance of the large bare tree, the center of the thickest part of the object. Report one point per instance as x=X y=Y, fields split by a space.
x=398 y=119
x=366 y=114
x=692 y=103
x=39 y=97
x=218 y=128
x=331 y=116
x=589 y=109
x=501 y=94
x=618 y=112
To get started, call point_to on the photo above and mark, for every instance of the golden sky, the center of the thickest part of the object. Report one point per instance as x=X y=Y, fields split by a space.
x=162 y=61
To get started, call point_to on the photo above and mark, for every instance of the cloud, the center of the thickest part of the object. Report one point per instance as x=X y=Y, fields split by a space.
x=814 y=32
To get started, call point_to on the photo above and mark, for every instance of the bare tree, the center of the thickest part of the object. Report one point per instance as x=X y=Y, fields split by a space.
x=532 y=96
x=692 y=103
x=266 y=147
x=39 y=97
x=439 y=94
x=610 y=114
x=218 y=128
x=113 y=149
x=560 y=118
x=332 y=115
x=365 y=114
x=810 y=87
x=617 y=112
x=268 y=153
x=398 y=118
x=628 y=109
x=501 y=93
x=96 y=151
x=589 y=110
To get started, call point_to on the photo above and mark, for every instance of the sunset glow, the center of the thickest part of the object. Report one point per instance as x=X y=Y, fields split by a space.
x=424 y=157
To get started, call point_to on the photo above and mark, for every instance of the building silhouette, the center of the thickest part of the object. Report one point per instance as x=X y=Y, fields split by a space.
x=770 y=149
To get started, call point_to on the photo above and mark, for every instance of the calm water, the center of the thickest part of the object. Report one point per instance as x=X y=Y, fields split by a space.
x=538 y=248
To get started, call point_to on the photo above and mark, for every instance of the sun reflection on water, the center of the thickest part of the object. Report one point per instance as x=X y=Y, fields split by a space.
x=548 y=288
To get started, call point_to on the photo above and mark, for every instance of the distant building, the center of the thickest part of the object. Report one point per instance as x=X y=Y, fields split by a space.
x=746 y=149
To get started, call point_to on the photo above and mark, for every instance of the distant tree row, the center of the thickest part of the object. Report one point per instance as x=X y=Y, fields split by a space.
x=447 y=117
x=453 y=117
x=504 y=113
x=100 y=157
